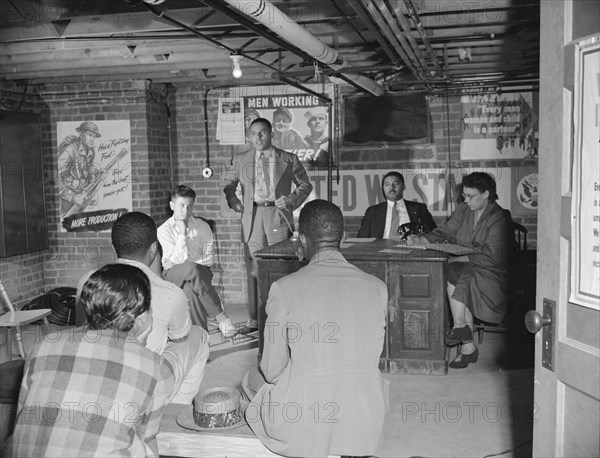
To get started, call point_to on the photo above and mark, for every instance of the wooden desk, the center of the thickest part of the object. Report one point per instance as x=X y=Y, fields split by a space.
x=417 y=304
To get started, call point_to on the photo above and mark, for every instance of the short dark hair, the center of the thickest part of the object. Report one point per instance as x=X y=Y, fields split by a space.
x=264 y=121
x=482 y=182
x=321 y=221
x=132 y=234
x=114 y=296
x=392 y=174
x=183 y=191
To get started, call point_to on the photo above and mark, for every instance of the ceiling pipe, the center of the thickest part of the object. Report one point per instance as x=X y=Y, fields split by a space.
x=174 y=21
x=414 y=15
x=403 y=36
x=270 y=16
x=369 y=13
x=327 y=72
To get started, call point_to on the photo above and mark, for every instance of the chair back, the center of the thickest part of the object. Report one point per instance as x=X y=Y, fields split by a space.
x=6 y=298
x=520 y=236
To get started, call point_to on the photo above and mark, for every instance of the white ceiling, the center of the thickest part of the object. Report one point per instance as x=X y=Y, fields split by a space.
x=390 y=44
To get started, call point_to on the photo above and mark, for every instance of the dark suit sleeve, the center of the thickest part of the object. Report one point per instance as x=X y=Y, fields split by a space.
x=230 y=183
x=366 y=223
x=426 y=218
x=419 y=214
x=303 y=185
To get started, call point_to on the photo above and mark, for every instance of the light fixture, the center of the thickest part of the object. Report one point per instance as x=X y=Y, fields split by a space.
x=236 y=72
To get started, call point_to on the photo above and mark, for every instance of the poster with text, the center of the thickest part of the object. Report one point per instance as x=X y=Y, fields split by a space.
x=499 y=125
x=435 y=187
x=94 y=173
x=301 y=121
x=585 y=204
x=230 y=122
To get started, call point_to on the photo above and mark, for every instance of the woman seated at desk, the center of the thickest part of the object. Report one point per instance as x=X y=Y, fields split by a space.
x=479 y=282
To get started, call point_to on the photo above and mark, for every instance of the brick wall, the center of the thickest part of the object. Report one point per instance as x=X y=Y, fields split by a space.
x=168 y=137
x=72 y=254
x=190 y=152
x=190 y=145
x=23 y=275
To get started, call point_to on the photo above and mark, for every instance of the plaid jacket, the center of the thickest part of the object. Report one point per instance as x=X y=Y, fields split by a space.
x=91 y=393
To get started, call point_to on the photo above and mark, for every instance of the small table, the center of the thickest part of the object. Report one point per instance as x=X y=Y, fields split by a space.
x=417 y=305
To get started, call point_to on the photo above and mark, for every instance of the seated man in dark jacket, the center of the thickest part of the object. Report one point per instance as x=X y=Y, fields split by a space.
x=383 y=220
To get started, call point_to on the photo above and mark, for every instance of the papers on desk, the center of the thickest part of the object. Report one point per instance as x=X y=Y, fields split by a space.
x=401 y=249
x=449 y=248
x=345 y=245
x=360 y=240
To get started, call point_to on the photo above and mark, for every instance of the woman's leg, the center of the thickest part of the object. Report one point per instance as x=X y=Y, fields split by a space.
x=469 y=347
x=462 y=317
x=457 y=308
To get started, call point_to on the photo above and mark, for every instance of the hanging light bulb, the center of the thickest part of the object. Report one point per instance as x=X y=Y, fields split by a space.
x=236 y=72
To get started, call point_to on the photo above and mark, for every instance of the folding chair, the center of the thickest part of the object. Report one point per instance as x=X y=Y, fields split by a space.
x=16 y=319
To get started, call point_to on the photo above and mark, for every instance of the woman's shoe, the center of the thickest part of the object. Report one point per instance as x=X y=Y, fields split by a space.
x=461 y=361
x=458 y=335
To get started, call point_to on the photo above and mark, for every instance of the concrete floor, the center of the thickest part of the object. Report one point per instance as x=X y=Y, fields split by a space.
x=481 y=411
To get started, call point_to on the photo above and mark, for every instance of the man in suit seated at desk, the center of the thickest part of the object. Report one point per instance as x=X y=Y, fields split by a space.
x=383 y=220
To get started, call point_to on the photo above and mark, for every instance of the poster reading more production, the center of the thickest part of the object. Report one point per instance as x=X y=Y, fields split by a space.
x=499 y=125
x=300 y=120
x=94 y=173
x=585 y=209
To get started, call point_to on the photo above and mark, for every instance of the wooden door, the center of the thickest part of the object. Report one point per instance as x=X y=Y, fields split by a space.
x=567 y=361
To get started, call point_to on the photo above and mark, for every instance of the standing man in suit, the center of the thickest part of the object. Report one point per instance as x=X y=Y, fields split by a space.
x=382 y=220
x=265 y=175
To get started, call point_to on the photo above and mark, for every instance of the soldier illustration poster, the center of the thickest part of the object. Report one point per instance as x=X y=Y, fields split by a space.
x=94 y=173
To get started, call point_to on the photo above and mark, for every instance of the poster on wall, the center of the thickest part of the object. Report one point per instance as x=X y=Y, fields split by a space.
x=230 y=122
x=525 y=190
x=435 y=187
x=94 y=173
x=301 y=121
x=585 y=204
x=499 y=125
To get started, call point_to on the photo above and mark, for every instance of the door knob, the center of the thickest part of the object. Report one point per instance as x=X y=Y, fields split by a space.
x=534 y=321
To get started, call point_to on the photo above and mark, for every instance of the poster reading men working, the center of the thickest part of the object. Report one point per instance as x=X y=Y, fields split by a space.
x=301 y=120
x=499 y=125
x=94 y=173
x=585 y=205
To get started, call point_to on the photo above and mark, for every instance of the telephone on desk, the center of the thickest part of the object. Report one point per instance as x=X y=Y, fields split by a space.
x=407 y=229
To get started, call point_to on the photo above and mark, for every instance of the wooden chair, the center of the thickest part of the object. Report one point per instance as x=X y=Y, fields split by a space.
x=16 y=319
x=512 y=320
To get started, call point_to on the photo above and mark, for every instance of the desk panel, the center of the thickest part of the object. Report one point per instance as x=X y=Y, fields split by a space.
x=417 y=304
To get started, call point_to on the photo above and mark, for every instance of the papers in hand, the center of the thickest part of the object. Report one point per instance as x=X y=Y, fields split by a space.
x=450 y=248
